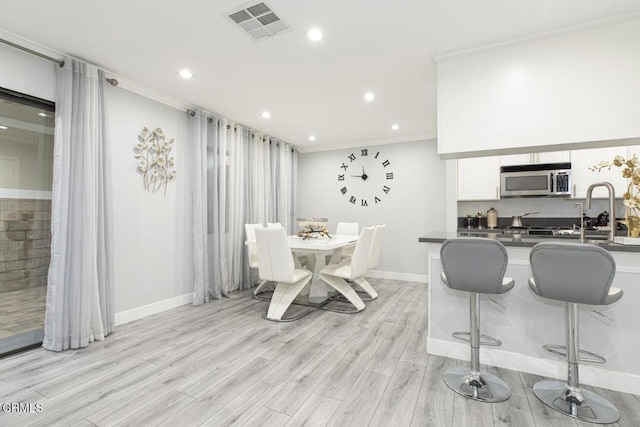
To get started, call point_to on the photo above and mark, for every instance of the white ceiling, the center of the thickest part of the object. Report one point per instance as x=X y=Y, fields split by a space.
x=310 y=89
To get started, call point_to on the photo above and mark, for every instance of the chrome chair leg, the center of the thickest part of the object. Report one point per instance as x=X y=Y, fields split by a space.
x=568 y=398
x=471 y=382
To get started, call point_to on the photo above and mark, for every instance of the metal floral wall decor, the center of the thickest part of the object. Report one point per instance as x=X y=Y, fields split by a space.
x=156 y=163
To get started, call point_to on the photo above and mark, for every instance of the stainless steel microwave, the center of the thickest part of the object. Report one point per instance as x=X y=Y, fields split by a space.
x=548 y=179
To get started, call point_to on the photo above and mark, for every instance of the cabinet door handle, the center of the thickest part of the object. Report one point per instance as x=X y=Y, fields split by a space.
x=574 y=190
x=497 y=193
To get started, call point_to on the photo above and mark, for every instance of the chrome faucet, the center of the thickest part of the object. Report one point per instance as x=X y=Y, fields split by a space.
x=581 y=207
x=612 y=205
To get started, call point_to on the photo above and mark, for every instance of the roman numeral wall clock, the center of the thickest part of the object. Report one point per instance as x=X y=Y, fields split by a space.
x=365 y=177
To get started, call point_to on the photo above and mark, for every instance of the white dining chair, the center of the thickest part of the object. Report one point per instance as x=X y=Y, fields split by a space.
x=336 y=275
x=347 y=229
x=252 y=251
x=275 y=263
x=302 y=259
x=373 y=261
x=250 y=235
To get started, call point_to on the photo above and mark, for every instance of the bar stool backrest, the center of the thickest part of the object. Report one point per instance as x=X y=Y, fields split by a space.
x=572 y=272
x=474 y=264
x=275 y=261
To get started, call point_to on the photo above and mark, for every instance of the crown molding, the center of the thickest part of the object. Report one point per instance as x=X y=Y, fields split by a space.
x=14 y=38
x=368 y=143
x=590 y=25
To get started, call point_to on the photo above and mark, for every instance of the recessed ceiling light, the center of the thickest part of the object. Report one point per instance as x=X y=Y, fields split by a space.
x=314 y=34
x=369 y=96
x=3 y=127
x=395 y=127
x=312 y=138
x=266 y=114
x=43 y=115
x=185 y=74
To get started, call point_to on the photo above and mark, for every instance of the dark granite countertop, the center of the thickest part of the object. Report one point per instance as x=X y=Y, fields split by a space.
x=523 y=241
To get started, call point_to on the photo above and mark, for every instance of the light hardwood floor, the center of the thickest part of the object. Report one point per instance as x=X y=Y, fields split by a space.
x=222 y=364
x=22 y=310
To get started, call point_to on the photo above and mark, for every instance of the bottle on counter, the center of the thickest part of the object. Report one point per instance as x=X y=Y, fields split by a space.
x=481 y=220
x=468 y=221
x=492 y=218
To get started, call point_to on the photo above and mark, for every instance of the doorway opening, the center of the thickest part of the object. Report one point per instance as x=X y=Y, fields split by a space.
x=26 y=174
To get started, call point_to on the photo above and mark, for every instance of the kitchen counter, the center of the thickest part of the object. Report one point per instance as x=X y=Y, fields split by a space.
x=523 y=240
x=525 y=322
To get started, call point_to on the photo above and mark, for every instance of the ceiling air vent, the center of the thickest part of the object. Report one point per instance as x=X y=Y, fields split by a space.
x=258 y=20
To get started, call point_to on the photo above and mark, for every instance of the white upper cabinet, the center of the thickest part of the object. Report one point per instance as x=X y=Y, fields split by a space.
x=479 y=178
x=516 y=159
x=535 y=158
x=582 y=177
x=552 y=157
x=538 y=92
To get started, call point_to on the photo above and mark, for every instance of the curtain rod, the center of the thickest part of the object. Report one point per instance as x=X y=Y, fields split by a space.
x=111 y=81
x=192 y=113
x=33 y=52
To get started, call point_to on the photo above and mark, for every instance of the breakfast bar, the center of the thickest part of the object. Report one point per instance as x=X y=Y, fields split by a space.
x=525 y=322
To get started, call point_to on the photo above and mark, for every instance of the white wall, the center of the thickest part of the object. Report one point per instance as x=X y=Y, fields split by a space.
x=152 y=233
x=557 y=91
x=414 y=207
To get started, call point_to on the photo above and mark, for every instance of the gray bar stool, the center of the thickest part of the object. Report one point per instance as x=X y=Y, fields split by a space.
x=575 y=273
x=477 y=266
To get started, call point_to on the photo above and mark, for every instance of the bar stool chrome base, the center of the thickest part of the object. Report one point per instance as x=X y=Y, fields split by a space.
x=479 y=386
x=484 y=339
x=583 y=355
x=577 y=403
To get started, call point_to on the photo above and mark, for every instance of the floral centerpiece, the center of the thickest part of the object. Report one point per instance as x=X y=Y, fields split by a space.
x=312 y=228
x=631 y=198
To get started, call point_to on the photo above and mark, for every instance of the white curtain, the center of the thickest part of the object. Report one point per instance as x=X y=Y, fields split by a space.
x=79 y=306
x=237 y=150
x=198 y=165
x=260 y=190
x=287 y=165
x=250 y=178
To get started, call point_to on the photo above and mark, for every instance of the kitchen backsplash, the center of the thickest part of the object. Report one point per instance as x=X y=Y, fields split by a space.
x=547 y=206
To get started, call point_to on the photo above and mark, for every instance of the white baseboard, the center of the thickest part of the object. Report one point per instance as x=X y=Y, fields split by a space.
x=589 y=375
x=151 y=309
x=407 y=277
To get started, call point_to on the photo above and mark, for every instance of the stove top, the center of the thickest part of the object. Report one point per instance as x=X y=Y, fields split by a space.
x=541 y=230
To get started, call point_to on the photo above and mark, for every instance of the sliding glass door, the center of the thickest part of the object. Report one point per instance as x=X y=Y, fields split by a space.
x=26 y=169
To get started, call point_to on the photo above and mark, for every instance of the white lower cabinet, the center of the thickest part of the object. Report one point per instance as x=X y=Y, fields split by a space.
x=479 y=178
x=582 y=177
